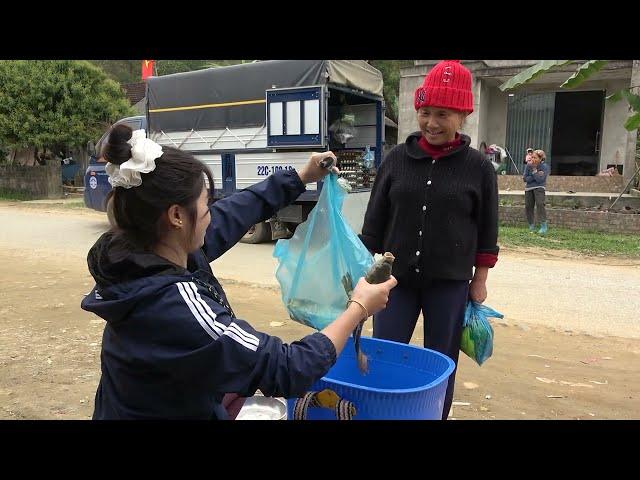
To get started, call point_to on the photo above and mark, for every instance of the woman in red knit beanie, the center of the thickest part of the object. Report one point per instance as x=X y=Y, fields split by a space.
x=434 y=205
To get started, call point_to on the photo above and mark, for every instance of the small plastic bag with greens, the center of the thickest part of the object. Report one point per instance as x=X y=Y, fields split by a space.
x=368 y=158
x=477 y=333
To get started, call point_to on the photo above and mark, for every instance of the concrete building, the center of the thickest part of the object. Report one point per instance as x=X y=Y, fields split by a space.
x=580 y=131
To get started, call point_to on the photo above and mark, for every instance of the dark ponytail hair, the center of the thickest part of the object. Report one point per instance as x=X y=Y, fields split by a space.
x=177 y=180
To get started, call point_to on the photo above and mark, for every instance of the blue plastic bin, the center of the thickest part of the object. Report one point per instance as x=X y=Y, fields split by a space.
x=404 y=382
x=69 y=172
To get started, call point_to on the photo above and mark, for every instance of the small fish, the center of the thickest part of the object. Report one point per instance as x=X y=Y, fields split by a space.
x=379 y=272
x=300 y=310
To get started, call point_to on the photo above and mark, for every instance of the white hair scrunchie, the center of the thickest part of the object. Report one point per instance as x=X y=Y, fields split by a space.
x=144 y=152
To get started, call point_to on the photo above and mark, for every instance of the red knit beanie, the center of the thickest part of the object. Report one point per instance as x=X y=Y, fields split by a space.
x=447 y=85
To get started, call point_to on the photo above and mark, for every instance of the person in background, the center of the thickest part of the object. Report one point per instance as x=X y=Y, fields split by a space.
x=527 y=158
x=535 y=178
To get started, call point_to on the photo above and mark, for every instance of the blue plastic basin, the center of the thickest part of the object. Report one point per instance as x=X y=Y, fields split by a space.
x=404 y=382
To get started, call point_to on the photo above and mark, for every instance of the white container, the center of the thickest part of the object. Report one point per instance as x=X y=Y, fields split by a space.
x=263 y=408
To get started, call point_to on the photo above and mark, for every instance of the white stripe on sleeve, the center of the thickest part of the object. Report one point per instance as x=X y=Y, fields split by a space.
x=195 y=312
x=233 y=331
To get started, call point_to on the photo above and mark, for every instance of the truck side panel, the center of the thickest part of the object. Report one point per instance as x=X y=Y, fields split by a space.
x=214 y=162
x=252 y=168
x=224 y=139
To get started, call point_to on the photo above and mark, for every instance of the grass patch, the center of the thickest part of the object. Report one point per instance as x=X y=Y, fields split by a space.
x=581 y=241
x=61 y=204
x=12 y=195
x=74 y=204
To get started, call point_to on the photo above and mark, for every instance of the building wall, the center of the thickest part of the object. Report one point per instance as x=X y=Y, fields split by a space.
x=410 y=79
x=472 y=123
x=496 y=131
x=577 y=219
x=630 y=162
x=489 y=120
x=562 y=183
x=483 y=114
x=510 y=63
x=614 y=135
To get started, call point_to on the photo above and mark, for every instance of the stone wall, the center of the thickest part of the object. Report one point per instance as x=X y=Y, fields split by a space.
x=577 y=219
x=34 y=182
x=562 y=183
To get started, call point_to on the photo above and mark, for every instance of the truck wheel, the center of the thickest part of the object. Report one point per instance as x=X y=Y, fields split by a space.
x=259 y=233
x=291 y=226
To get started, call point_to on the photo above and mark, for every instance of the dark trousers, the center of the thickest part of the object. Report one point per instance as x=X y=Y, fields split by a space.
x=442 y=303
x=535 y=198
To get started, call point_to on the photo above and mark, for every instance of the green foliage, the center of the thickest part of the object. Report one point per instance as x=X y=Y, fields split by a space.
x=56 y=102
x=122 y=71
x=11 y=194
x=583 y=72
x=582 y=241
x=531 y=73
x=130 y=71
x=390 y=70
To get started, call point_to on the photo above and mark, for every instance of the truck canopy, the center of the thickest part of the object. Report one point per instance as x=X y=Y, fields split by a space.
x=205 y=99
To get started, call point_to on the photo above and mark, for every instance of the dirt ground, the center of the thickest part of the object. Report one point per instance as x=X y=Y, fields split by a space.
x=50 y=348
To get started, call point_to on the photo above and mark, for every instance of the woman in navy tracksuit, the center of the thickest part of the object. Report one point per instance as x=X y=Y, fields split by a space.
x=434 y=205
x=172 y=346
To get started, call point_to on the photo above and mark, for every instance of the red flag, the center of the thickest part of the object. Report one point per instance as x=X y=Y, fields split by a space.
x=147 y=68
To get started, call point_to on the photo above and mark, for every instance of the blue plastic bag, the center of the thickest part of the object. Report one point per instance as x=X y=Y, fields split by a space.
x=368 y=158
x=477 y=333
x=319 y=266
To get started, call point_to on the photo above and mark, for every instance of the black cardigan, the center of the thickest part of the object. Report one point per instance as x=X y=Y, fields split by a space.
x=433 y=215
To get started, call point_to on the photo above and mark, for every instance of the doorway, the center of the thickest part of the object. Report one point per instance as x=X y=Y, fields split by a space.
x=566 y=125
x=577 y=133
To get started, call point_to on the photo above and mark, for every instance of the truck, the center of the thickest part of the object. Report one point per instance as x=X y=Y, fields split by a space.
x=248 y=121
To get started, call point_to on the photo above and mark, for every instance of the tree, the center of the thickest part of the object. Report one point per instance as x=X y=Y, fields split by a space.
x=122 y=71
x=49 y=103
x=128 y=71
x=390 y=70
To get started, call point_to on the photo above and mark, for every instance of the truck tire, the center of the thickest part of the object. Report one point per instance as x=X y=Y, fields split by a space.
x=292 y=227
x=259 y=233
